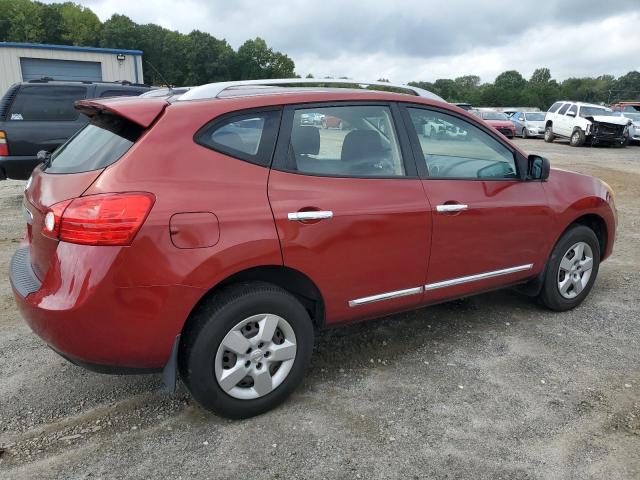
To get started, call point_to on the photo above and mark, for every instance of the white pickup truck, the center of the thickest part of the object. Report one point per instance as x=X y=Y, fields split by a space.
x=585 y=123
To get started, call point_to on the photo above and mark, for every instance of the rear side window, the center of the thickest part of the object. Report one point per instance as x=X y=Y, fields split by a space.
x=345 y=141
x=555 y=107
x=46 y=103
x=99 y=144
x=247 y=136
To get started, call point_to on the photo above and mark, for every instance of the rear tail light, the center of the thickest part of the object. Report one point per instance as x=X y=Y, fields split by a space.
x=4 y=148
x=104 y=219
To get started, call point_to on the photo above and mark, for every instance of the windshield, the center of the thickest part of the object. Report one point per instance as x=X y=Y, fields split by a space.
x=494 y=116
x=593 y=111
x=535 y=117
x=97 y=145
x=633 y=116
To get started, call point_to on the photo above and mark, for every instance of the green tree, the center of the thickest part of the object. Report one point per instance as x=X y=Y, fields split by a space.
x=541 y=75
x=119 y=32
x=78 y=25
x=256 y=60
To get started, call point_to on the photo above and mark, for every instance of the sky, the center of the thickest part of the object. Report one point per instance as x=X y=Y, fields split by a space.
x=415 y=39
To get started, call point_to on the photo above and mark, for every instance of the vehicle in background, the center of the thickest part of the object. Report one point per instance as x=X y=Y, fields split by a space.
x=39 y=116
x=509 y=112
x=630 y=110
x=499 y=121
x=528 y=124
x=315 y=119
x=586 y=123
x=464 y=106
x=166 y=92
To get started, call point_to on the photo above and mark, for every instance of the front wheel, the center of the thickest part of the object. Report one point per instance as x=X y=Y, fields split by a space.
x=245 y=351
x=524 y=133
x=577 y=138
x=571 y=269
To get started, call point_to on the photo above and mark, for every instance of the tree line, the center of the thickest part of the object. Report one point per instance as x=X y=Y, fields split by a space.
x=511 y=89
x=169 y=56
x=198 y=57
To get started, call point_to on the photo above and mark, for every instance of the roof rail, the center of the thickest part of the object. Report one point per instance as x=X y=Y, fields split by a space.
x=213 y=90
x=126 y=83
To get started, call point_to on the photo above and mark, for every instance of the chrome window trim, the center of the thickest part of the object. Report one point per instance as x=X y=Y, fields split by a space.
x=385 y=296
x=479 y=276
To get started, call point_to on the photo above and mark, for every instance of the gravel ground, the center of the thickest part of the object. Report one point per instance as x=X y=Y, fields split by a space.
x=491 y=387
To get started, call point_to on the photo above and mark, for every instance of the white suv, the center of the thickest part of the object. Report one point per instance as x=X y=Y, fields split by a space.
x=585 y=123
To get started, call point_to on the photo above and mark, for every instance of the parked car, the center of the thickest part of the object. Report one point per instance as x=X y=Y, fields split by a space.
x=38 y=115
x=509 y=112
x=500 y=122
x=528 y=124
x=630 y=110
x=223 y=270
x=585 y=123
x=166 y=92
x=464 y=106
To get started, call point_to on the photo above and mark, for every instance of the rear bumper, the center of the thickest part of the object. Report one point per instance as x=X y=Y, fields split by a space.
x=17 y=168
x=78 y=310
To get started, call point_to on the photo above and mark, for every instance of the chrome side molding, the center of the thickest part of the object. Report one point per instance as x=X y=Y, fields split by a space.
x=312 y=215
x=385 y=296
x=479 y=276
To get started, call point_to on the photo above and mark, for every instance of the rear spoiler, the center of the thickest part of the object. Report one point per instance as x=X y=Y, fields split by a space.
x=141 y=111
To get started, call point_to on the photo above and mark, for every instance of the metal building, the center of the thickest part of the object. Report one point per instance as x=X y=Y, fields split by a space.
x=30 y=61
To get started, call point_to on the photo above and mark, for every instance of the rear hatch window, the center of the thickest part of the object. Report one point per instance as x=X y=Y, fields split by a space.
x=46 y=103
x=98 y=145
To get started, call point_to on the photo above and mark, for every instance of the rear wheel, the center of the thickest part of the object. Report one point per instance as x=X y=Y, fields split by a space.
x=571 y=269
x=577 y=138
x=548 y=134
x=246 y=350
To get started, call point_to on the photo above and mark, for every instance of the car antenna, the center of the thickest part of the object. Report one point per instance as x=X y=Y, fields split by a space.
x=160 y=75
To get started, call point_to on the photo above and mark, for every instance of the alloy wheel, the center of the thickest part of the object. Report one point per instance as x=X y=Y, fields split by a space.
x=575 y=270
x=255 y=356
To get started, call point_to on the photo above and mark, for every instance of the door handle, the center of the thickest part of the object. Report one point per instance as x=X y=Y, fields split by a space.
x=451 y=207
x=311 y=215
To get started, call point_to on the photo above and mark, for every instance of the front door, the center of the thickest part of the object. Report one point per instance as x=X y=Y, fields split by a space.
x=488 y=225
x=350 y=211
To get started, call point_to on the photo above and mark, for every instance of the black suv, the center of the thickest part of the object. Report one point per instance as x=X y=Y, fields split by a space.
x=39 y=115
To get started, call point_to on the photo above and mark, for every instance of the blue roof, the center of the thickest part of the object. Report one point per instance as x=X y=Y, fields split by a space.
x=73 y=48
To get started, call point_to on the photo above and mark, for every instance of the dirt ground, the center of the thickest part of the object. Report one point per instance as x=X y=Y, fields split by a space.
x=490 y=387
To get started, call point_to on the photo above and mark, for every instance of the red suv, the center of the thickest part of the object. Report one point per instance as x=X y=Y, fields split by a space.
x=212 y=235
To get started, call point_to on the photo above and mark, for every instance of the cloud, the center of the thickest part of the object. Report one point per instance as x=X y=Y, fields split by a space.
x=415 y=39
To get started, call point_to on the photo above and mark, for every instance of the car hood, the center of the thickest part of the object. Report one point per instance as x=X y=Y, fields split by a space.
x=500 y=123
x=612 y=120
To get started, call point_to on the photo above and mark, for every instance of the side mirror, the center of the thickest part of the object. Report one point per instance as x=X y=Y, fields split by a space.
x=539 y=167
x=520 y=119
x=571 y=114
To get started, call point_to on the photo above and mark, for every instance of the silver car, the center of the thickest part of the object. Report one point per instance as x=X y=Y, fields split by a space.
x=528 y=124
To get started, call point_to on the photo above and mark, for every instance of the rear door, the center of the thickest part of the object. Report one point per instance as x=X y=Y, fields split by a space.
x=489 y=227
x=350 y=211
x=42 y=117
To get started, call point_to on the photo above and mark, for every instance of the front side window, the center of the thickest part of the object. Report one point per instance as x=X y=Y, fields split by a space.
x=247 y=136
x=573 y=110
x=564 y=109
x=349 y=141
x=454 y=148
x=46 y=103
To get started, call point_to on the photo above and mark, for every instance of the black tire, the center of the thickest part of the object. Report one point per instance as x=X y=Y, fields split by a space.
x=550 y=295
x=208 y=326
x=549 y=137
x=524 y=133
x=577 y=138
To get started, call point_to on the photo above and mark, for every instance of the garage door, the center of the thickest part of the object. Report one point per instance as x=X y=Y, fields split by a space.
x=36 y=68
